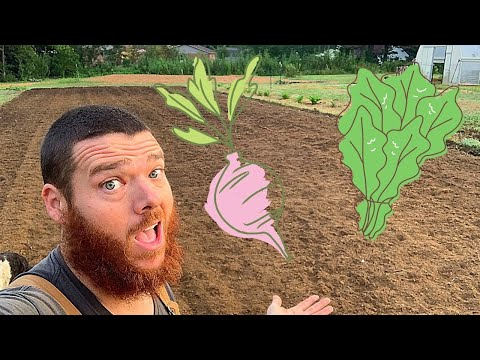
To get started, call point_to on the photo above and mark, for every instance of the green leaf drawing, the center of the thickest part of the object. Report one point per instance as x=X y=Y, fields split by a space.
x=194 y=136
x=390 y=128
x=181 y=103
x=362 y=149
x=402 y=150
x=238 y=86
x=373 y=217
x=403 y=147
x=442 y=118
x=202 y=89
x=410 y=87
x=368 y=91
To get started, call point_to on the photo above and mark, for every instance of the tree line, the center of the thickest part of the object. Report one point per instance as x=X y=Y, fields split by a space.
x=37 y=62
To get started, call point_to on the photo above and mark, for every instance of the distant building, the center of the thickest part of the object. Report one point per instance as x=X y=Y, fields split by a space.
x=459 y=64
x=197 y=50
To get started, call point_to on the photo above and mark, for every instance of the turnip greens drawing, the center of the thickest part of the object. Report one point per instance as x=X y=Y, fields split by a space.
x=237 y=200
x=390 y=128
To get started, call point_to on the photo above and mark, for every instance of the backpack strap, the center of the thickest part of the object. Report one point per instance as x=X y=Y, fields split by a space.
x=45 y=285
x=171 y=305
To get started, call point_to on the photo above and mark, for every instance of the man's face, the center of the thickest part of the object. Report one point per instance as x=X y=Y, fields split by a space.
x=121 y=229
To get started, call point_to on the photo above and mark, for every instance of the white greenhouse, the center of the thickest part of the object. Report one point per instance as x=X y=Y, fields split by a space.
x=460 y=63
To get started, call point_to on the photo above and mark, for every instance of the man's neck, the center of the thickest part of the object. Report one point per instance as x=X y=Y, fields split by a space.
x=142 y=305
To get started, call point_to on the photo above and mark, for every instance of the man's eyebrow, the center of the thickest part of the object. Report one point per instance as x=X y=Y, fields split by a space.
x=156 y=156
x=117 y=164
x=110 y=166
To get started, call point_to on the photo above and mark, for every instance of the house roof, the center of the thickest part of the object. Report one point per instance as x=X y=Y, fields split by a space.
x=201 y=48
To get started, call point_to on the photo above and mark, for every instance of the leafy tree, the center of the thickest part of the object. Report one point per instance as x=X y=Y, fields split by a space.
x=89 y=55
x=26 y=57
x=64 y=61
x=222 y=51
x=113 y=54
x=162 y=51
x=20 y=62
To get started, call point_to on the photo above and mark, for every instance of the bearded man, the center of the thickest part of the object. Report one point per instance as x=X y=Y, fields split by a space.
x=105 y=185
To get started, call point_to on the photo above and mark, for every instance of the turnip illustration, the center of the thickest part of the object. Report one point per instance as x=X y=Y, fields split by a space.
x=237 y=200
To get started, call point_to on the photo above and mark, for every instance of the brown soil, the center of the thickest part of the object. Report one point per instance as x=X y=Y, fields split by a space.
x=427 y=261
x=152 y=79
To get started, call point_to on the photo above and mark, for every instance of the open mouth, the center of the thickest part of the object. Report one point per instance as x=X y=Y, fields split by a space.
x=151 y=237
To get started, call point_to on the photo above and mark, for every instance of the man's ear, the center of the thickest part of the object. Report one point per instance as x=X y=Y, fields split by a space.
x=55 y=203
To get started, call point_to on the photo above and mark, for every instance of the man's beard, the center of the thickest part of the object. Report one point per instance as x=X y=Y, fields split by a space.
x=107 y=262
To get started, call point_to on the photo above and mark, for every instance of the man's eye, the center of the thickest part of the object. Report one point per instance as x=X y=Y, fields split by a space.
x=111 y=185
x=156 y=173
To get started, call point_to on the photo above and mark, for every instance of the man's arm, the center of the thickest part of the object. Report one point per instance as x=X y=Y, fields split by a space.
x=28 y=300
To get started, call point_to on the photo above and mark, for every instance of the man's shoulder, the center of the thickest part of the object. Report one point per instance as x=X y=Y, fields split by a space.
x=27 y=300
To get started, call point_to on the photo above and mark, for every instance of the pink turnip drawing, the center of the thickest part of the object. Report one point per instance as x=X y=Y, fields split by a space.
x=237 y=200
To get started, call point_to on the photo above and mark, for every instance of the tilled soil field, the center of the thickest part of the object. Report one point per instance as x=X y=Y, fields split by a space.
x=427 y=261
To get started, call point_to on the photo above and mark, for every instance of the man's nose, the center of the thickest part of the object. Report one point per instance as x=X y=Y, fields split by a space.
x=146 y=196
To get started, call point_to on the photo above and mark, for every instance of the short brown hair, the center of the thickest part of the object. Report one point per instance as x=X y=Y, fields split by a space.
x=75 y=125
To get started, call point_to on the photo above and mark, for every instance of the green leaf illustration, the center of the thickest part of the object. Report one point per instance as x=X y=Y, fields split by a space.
x=362 y=150
x=442 y=118
x=408 y=123
x=201 y=88
x=403 y=147
x=373 y=217
x=181 y=103
x=368 y=91
x=238 y=86
x=194 y=136
x=410 y=87
x=402 y=150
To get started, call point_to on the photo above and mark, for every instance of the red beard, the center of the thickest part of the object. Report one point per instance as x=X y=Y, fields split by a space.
x=106 y=262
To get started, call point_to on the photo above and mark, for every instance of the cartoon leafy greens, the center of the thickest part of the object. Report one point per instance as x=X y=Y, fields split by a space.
x=237 y=200
x=390 y=128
